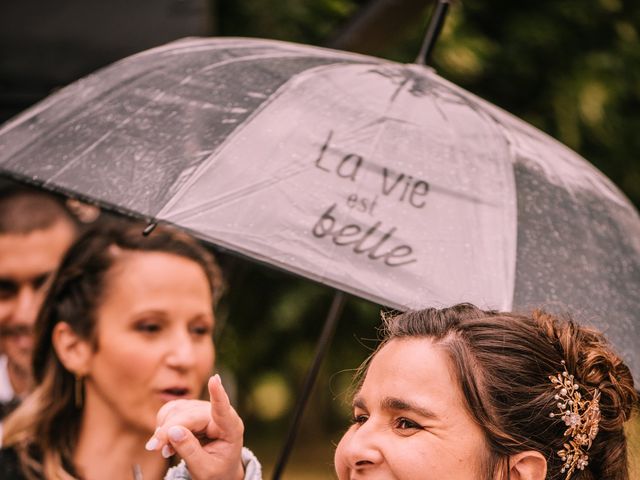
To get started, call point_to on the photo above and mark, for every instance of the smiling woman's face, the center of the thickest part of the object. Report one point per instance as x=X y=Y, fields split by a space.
x=410 y=421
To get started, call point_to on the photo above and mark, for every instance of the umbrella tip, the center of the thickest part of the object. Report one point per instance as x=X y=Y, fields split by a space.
x=433 y=31
x=149 y=228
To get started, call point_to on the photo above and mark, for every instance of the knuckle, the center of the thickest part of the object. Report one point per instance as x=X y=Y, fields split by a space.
x=167 y=407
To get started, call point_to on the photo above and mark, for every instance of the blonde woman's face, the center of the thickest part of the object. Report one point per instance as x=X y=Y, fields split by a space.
x=154 y=339
x=410 y=422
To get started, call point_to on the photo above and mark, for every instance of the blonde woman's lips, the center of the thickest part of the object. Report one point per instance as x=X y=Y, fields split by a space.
x=174 y=393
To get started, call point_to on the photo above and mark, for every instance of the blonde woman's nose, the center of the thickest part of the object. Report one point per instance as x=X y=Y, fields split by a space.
x=181 y=352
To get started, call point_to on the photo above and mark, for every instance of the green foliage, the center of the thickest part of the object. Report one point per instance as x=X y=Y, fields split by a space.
x=293 y=20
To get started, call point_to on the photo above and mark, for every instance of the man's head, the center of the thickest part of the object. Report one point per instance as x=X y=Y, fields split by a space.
x=35 y=232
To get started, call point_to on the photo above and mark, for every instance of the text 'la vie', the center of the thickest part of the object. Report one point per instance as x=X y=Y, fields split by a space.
x=401 y=186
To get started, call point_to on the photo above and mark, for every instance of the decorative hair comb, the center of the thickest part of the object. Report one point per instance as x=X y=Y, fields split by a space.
x=581 y=417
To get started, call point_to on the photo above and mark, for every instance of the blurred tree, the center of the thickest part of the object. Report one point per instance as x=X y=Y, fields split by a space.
x=293 y=20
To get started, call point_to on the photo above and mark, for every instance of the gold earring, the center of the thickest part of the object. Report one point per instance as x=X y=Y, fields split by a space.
x=78 y=392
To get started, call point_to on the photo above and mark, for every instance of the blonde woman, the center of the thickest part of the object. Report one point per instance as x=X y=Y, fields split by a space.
x=126 y=327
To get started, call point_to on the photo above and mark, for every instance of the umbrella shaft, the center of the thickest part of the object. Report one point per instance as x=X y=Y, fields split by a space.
x=433 y=32
x=321 y=349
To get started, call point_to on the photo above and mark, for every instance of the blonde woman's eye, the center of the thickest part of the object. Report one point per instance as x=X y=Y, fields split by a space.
x=148 y=327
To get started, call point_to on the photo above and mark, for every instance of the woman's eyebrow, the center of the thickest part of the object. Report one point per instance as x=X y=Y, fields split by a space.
x=393 y=403
x=358 y=402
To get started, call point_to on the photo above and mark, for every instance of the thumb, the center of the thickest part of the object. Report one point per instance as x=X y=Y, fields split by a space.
x=186 y=446
x=202 y=464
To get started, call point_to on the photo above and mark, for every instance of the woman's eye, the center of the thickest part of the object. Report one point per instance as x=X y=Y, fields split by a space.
x=406 y=424
x=359 y=419
x=148 y=327
x=202 y=330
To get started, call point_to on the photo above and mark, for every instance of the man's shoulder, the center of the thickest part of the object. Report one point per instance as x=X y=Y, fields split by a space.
x=8 y=400
x=6 y=390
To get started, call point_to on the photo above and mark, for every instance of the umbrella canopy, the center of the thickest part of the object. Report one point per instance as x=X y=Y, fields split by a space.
x=380 y=179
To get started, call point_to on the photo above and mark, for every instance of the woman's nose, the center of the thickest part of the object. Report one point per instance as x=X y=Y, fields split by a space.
x=181 y=351
x=360 y=448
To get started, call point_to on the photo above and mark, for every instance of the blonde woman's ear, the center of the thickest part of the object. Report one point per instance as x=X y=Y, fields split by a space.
x=529 y=465
x=73 y=351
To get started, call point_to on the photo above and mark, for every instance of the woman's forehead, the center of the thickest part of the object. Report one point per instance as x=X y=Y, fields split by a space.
x=417 y=369
x=153 y=279
x=150 y=263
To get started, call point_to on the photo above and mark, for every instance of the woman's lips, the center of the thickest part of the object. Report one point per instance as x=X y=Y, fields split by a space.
x=174 y=393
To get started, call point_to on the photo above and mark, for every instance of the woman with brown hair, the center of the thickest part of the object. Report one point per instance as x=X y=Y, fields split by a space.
x=125 y=328
x=490 y=395
x=466 y=394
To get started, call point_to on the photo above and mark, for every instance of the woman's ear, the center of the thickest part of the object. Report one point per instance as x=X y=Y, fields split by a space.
x=73 y=351
x=528 y=465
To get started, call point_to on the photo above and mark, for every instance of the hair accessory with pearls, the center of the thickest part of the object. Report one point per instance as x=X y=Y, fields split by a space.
x=581 y=417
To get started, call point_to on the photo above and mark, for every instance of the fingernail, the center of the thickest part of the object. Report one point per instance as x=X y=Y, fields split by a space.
x=217 y=378
x=152 y=444
x=176 y=434
x=166 y=451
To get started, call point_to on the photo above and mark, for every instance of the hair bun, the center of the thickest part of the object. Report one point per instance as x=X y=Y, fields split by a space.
x=590 y=357
x=600 y=367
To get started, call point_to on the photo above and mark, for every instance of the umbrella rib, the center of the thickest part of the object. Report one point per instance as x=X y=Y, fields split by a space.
x=511 y=124
x=229 y=197
x=204 y=166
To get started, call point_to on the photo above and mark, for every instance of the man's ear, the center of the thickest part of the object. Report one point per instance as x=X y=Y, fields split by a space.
x=528 y=465
x=73 y=351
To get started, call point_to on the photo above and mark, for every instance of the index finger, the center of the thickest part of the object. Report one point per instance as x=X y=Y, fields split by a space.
x=225 y=420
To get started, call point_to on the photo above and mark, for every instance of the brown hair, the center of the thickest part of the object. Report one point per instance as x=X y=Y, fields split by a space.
x=503 y=362
x=45 y=428
x=24 y=210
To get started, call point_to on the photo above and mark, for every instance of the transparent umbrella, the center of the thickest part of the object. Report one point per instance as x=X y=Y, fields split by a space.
x=380 y=179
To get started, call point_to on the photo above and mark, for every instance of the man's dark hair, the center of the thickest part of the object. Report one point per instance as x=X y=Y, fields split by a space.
x=24 y=210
